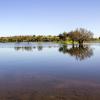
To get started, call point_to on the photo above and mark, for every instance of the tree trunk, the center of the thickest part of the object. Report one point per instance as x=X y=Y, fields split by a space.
x=73 y=42
x=80 y=43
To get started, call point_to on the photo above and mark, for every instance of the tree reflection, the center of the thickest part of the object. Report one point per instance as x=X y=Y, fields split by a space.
x=23 y=48
x=28 y=48
x=80 y=52
x=40 y=47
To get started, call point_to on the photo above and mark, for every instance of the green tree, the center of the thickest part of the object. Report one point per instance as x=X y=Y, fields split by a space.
x=63 y=36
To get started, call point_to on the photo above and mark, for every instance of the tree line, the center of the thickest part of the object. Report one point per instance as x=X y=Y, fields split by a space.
x=33 y=38
x=80 y=36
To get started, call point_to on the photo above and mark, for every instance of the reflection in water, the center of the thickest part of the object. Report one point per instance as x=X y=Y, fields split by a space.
x=29 y=48
x=23 y=48
x=40 y=47
x=79 y=52
x=40 y=77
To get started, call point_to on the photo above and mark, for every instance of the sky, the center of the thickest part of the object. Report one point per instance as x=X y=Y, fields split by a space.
x=48 y=17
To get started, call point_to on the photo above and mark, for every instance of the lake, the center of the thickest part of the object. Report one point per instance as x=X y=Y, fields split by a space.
x=49 y=71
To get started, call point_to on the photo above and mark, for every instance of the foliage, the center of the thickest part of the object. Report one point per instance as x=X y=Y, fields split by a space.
x=77 y=36
x=33 y=38
x=80 y=35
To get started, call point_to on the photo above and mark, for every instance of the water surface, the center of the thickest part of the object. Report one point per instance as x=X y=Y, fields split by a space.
x=49 y=71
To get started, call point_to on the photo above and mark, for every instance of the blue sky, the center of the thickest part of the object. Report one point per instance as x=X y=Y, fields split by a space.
x=45 y=17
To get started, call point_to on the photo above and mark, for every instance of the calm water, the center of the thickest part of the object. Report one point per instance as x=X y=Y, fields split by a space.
x=48 y=71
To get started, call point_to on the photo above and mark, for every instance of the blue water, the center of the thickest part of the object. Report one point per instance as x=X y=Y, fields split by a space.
x=46 y=67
